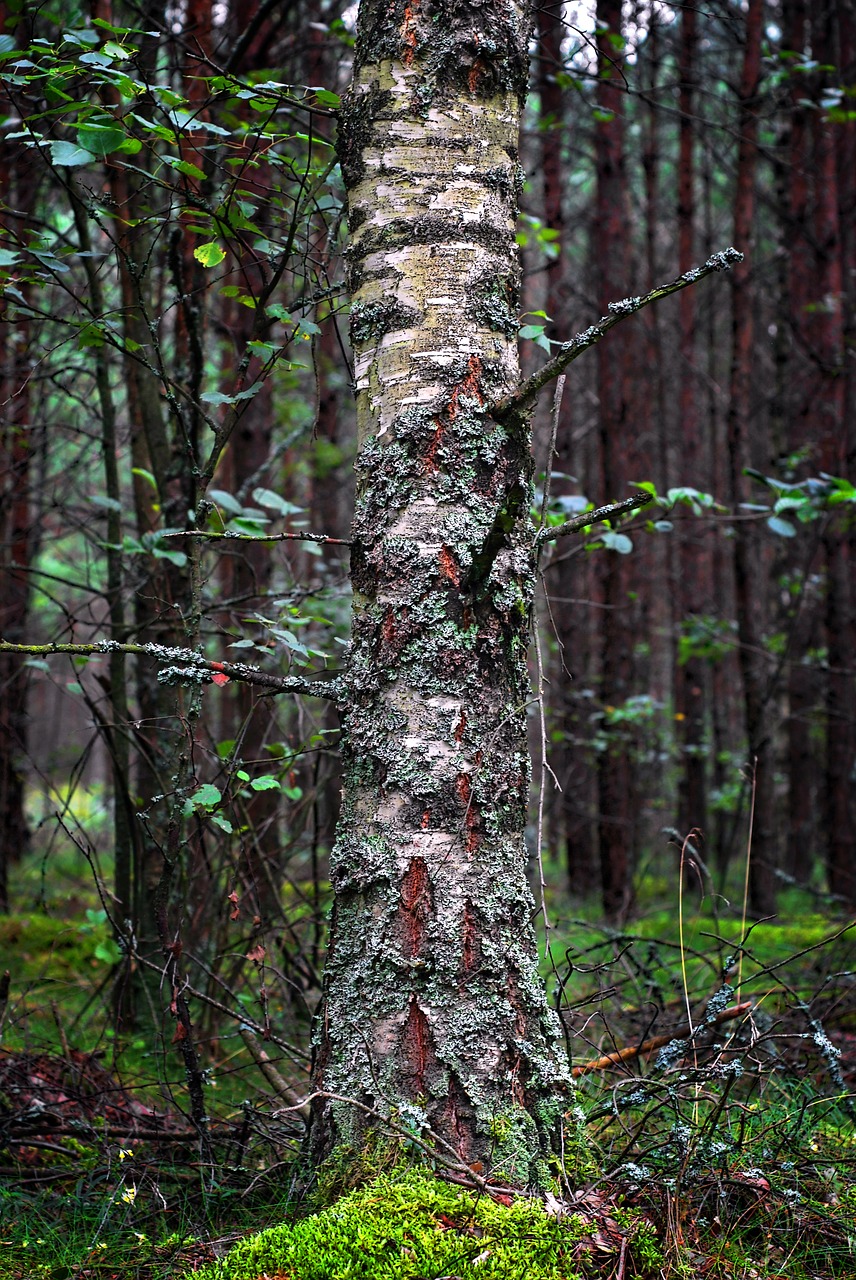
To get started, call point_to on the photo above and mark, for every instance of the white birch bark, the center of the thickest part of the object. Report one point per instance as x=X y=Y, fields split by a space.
x=434 y=1009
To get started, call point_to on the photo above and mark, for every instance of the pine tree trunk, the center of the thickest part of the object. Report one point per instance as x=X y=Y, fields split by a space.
x=695 y=577
x=749 y=575
x=617 y=816
x=433 y=1008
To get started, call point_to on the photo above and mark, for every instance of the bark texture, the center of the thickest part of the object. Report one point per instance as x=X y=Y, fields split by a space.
x=434 y=1012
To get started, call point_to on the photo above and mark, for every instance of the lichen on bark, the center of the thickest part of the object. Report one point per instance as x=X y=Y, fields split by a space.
x=434 y=1012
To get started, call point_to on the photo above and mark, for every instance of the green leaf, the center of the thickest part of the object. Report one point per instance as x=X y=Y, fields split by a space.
x=192 y=171
x=69 y=155
x=116 y=51
x=273 y=502
x=108 y=951
x=207 y=795
x=617 y=542
x=91 y=335
x=227 y=500
x=175 y=557
x=223 y=823
x=145 y=475
x=266 y=783
x=531 y=330
x=209 y=254
x=248 y=524
x=8 y=258
x=100 y=138
x=783 y=528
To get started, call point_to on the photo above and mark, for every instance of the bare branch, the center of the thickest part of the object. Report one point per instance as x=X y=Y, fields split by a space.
x=186 y=666
x=658 y=1042
x=227 y=536
x=582 y=521
x=525 y=395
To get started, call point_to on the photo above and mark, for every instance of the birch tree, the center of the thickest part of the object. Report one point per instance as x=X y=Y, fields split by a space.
x=435 y=1022
x=433 y=1002
x=434 y=1013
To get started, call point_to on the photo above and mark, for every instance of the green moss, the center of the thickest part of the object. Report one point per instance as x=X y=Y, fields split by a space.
x=407 y=1225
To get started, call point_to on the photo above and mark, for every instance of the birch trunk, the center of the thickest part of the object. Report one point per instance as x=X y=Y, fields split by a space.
x=434 y=1012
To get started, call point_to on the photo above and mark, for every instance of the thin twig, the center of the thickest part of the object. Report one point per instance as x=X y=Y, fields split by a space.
x=186 y=665
x=582 y=521
x=657 y=1042
x=227 y=536
x=524 y=397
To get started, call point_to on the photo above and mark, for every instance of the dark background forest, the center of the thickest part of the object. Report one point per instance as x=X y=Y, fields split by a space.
x=175 y=333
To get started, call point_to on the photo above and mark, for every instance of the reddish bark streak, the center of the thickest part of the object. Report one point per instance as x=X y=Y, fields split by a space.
x=416 y=1045
x=461 y=726
x=431 y=455
x=449 y=566
x=408 y=34
x=388 y=630
x=468 y=386
x=416 y=904
x=471 y=817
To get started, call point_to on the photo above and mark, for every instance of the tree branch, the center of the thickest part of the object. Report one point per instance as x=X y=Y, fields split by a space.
x=324 y=538
x=186 y=666
x=658 y=1042
x=524 y=397
x=551 y=533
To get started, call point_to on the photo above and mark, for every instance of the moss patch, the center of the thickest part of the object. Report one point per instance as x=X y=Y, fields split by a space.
x=408 y=1225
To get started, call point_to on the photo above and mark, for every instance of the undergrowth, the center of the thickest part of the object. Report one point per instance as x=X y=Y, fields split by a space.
x=718 y=1149
x=410 y=1225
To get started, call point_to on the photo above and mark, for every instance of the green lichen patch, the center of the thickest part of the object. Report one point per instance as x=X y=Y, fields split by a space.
x=409 y=1224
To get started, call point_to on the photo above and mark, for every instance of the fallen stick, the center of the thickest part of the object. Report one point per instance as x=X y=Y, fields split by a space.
x=658 y=1042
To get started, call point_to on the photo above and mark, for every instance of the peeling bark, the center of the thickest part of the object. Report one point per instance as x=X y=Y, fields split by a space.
x=433 y=1007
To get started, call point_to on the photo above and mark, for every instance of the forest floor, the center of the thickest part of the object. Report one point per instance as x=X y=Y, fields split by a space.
x=717 y=1148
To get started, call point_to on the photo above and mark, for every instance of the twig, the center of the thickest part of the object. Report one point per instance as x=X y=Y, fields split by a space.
x=281 y=1086
x=597 y=516
x=524 y=397
x=190 y=667
x=324 y=538
x=657 y=1042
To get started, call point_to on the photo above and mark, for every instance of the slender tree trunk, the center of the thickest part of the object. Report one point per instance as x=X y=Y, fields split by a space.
x=749 y=576
x=432 y=1002
x=16 y=452
x=831 y=432
x=18 y=191
x=801 y=388
x=571 y=808
x=617 y=816
x=695 y=577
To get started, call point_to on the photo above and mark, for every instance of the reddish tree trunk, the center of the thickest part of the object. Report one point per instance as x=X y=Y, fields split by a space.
x=694 y=580
x=617 y=807
x=831 y=431
x=749 y=573
x=18 y=190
